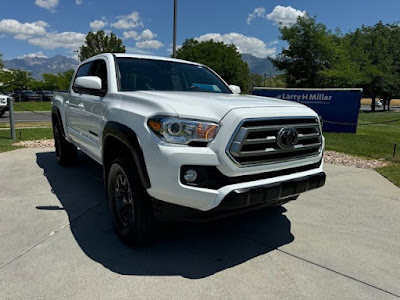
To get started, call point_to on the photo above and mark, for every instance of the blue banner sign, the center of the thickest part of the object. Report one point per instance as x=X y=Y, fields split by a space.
x=338 y=107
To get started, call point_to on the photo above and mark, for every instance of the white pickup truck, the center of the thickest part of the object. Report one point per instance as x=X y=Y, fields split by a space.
x=174 y=138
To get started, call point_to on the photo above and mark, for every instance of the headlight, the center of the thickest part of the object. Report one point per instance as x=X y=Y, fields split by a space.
x=182 y=131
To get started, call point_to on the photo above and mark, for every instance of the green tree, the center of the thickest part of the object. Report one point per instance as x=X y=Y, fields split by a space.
x=50 y=82
x=100 y=42
x=277 y=81
x=16 y=79
x=312 y=50
x=256 y=80
x=65 y=79
x=223 y=59
x=374 y=51
x=59 y=81
x=2 y=75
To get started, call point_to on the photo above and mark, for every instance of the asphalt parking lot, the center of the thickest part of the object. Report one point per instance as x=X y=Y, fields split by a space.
x=57 y=242
x=27 y=117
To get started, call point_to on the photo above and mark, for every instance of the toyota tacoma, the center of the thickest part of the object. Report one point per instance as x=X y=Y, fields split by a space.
x=173 y=137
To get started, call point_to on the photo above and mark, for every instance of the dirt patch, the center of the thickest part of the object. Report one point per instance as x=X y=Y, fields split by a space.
x=332 y=157
x=48 y=143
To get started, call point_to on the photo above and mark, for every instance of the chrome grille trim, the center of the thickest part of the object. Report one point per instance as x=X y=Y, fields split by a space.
x=255 y=142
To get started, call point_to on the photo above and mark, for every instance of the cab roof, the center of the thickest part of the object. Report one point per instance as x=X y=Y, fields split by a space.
x=140 y=56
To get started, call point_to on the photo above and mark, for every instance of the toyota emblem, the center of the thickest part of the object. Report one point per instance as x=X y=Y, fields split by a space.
x=287 y=137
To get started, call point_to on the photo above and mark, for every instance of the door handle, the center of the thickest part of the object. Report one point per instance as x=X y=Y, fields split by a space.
x=80 y=105
x=67 y=102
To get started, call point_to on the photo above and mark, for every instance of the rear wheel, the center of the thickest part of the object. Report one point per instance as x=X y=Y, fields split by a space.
x=129 y=202
x=66 y=152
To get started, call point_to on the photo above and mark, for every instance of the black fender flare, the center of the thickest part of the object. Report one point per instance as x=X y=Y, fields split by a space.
x=129 y=138
x=55 y=111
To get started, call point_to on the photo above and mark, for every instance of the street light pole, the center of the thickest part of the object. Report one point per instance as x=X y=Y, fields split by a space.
x=77 y=51
x=174 y=31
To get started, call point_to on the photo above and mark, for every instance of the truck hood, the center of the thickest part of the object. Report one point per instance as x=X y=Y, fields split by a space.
x=209 y=106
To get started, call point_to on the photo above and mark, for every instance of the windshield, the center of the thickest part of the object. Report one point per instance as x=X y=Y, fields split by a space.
x=146 y=74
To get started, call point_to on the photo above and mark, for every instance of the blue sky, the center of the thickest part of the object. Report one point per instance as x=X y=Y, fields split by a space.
x=50 y=27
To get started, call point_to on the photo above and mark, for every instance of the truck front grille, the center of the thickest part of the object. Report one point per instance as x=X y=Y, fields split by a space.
x=259 y=141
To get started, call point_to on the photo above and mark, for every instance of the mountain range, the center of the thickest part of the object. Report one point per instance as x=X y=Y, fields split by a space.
x=39 y=65
x=260 y=66
x=59 y=63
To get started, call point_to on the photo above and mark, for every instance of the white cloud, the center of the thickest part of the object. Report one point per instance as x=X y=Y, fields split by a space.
x=258 y=12
x=273 y=43
x=243 y=43
x=78 y=2
x=15 y=27
x=285 y=15
x=47 y=4
x=150 y=44
x=128 y=22
x=97 y=24
x=53 y=40
x=130 y=35
x=146 y=35
x=33 y=55
x=21 y=36
x=36 y=34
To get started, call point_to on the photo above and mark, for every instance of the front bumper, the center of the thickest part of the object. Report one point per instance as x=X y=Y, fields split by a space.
x=166 y=185
x=242 y=201
x=272 y=193
x=165 y=161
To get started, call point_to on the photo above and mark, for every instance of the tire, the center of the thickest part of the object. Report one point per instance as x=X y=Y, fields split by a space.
x=66 y=152
x=2 y=112
x=130 y=204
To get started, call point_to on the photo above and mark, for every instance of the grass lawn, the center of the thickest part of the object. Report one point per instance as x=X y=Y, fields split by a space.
x=35 y=106
x=6 y=143
x=373 y=141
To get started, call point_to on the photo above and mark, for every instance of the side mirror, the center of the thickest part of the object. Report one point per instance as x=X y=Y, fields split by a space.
x=88 y=82
x=235 y=89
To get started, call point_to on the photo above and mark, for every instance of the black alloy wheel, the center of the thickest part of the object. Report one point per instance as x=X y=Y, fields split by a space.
x=130 y=204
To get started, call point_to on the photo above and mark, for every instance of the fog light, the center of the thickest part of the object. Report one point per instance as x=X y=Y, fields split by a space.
x=190 y=175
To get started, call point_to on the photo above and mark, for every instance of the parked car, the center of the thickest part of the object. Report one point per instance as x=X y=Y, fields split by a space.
x=4 y=105
x=379 y=103
x=46 y=95
x=26 y=95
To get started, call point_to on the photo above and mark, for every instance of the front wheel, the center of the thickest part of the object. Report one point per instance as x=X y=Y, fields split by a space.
x=2 y=112
x=66 y=152
x=130 y=204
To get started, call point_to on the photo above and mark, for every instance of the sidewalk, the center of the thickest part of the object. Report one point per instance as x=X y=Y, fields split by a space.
x=57 y=242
